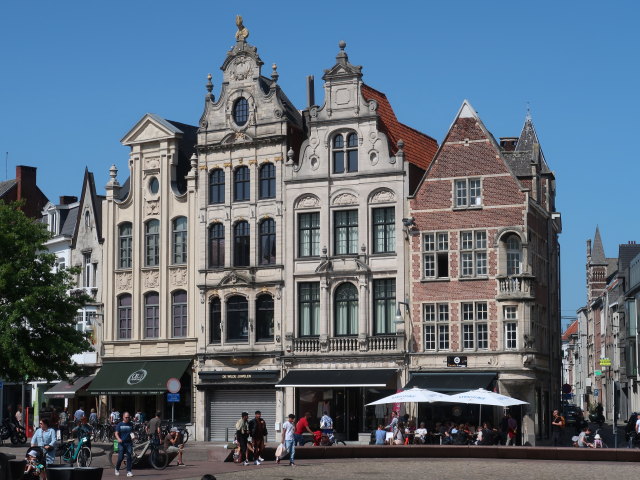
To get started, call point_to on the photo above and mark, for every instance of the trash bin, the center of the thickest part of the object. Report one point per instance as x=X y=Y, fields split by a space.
x=59 y=472
x=16 y=469
x=87 y=473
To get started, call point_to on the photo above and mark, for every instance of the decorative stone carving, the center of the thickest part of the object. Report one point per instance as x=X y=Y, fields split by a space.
x=152 y=207
x=179 y=277
x=123 y=281
x=152 y=163
x=151 y=279
x=345 y=199
x=383 y=196
x=241 y=70
x=373 y=105
x=308 y=201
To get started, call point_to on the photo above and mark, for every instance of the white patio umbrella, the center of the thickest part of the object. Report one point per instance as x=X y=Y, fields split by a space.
x=413 y=395
x=485 y=397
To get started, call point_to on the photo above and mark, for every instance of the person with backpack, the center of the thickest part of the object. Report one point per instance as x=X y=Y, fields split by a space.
x=557 y=427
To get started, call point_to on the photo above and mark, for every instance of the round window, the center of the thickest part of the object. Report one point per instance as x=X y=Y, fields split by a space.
x=154 y=185
x=241 y=111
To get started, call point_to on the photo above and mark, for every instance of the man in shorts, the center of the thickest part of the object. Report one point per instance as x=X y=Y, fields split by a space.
x=173 y=443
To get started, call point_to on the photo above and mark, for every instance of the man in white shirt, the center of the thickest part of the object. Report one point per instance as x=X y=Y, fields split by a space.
x=288 y=429
x=421 y=434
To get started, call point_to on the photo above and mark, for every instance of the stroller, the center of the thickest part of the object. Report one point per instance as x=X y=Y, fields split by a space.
x=321 y=439
x=36 y=466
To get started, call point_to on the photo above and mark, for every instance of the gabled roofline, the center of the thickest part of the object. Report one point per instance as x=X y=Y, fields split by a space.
x=88 y=181
x=171 y=130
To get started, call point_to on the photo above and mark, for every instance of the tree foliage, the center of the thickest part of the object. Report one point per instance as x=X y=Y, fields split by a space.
x=38 y=333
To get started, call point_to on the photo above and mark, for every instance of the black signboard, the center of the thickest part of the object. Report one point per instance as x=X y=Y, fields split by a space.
x=456 y=361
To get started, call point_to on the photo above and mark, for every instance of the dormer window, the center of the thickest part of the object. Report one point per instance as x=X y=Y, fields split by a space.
x=345 y=153
x=241 y=111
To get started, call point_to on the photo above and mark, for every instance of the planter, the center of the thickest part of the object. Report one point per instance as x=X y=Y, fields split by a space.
x=87 y=473
x=59 y=472
x=16 y=469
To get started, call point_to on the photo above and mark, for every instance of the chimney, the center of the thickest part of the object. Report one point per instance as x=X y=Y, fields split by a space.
x=67 y=199
x=311 y=94
x=26 y=175
x=508 y=144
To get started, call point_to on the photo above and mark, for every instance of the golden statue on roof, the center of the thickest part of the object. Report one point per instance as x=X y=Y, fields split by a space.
x=243 y=32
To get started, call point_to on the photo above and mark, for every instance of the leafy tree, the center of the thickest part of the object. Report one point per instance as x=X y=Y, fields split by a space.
x=37 y=325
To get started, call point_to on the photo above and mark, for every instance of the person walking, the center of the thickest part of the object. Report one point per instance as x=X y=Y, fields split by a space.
x=79 y=415
x=258 y=432
x=512 y=427
x=114 y=417
x=557 y=427
x=393 y=424
x=45 y=437
x=125 y=443
x=288 y=439
x=93 y=418
x=242 y=435
x=153 y=428
x=18 y=415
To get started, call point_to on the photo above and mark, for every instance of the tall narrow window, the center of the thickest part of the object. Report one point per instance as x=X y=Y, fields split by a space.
x=443 y=326
x=346 y=232
x=384 y=230
x=151 y=315
x=435 y=255
x=482 y=328
x=510 y=327
x=216 y=186
x=309 y=234
x=216 y=245
x=87 y=271
x=346 y=310
x=241 y=111
x=152 y=243
x=267 y=181
x=264 y=318
x=241 y=190
x=309 y=308
x=241 y=244
x=124 y=317
x=267 y=242
x=384 y=304
x=179 y=313
x=124 y=243
x=513 y=255
x=429 y=316
x=345 y=154
x=215 y=320
x=467 y=193
x=436 y=326
x=237 y=319
x=473 y=254
x=179 y=244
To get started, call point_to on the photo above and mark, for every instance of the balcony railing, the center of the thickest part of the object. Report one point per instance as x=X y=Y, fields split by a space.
x=378 y=343
x=516 y=287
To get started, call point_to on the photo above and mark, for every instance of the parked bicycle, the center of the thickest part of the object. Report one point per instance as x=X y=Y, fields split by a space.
x=79 y=453
x=104 y=432
x=158 y=458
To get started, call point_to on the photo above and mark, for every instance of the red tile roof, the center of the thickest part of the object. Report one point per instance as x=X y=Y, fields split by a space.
x=571 y=330
x=419 y=148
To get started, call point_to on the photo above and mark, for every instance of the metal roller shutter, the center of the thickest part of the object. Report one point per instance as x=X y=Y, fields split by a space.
x=225 y=407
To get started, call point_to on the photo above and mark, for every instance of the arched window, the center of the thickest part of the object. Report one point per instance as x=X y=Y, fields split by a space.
x=514 y=255
x=241 y=244
x=241 y=111
x=87 y=219
x=151 y=315
x=215 y=320
x=152 y=243
x=124 y=245
x=241 y=184
x=346 y=309
x=216 y=245
x=179 y=243
x=124 y=316
x=264 y=318
x=267 y=181
x=216 y=186
x=345 y=153
x=237 y=327
x=267 y=242
x=179 y=313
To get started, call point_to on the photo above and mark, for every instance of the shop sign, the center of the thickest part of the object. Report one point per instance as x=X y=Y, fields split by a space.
x=244 y=377
x=173 y=397
x=605 y=362
x=456 y=361
x=137 y=376
x=598 y=373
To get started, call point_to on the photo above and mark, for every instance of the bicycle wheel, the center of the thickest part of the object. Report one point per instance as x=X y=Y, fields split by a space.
x=158 y=459
x=185 y=435
x=84 y=457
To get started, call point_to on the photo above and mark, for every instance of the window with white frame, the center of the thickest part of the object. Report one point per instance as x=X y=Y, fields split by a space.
x=474 y=326
x=435 y=247
x=87 y=270
x=510 y=327
x=473 y=254
x=467 y=193
x=436 y=326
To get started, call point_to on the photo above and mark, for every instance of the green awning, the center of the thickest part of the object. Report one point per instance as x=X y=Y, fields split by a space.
x=140 y=377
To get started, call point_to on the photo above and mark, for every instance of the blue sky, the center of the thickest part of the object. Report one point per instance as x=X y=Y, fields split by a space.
x=76 y=75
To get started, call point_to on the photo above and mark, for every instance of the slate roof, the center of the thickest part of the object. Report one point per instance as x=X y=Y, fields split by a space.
x=6 y=186
x=124 y=189
x=626 y=253
x=419 y=148
x=528 y=138
x=69 y=225
x=597 y=250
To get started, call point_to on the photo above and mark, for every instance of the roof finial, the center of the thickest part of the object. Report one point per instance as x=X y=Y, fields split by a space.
x=274 y=73
x=342 y=55
x=528 y=117
x=209 y=86
x=243 y=32
x=113 y=174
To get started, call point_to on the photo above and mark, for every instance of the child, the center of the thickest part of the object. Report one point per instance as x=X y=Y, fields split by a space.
x=34 y=470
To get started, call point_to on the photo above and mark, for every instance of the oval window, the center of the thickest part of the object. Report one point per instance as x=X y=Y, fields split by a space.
x=241 y=111
x=154 y=185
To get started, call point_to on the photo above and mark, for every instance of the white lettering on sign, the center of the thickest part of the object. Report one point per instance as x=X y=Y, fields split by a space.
x=137 y=376
x=235 y=376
